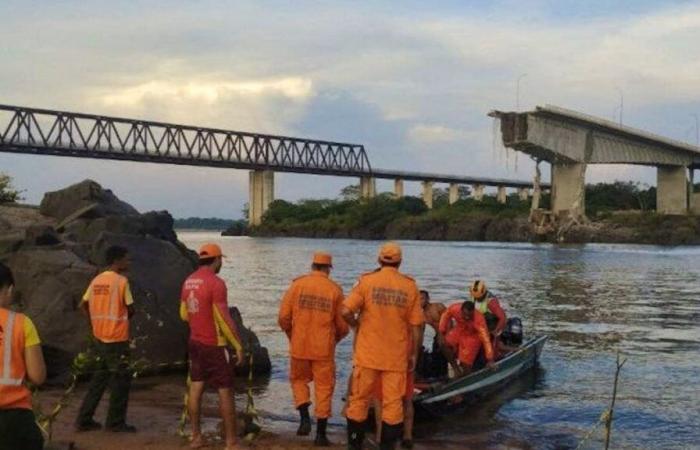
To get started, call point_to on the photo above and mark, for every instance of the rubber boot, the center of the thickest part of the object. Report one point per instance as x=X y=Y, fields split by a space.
x=321 y=438
x=356 y=435
x=390 y=435
x=305 y=422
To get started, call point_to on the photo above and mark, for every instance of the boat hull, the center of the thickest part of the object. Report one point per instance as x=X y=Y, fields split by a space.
x=454 y=395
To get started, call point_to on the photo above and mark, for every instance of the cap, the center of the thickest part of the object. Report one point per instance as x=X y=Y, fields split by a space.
x=210 y=251
x=390 y=253
x=323 y=258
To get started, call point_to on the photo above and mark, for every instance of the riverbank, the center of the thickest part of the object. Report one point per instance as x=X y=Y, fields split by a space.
x=154 y=409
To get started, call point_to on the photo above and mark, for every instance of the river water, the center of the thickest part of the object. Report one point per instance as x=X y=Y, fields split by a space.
x=592 y=301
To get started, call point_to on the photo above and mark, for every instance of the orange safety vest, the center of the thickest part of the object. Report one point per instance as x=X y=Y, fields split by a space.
x=13 y=392
x=108 y=312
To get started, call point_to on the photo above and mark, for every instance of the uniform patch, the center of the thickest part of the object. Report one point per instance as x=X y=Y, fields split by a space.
x=309 y=301
x=389 y=297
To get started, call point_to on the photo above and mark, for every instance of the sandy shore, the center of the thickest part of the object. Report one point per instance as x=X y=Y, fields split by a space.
x=154 y=408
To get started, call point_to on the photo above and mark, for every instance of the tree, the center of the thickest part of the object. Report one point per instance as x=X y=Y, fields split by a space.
x=351 y=192
x=8 y=194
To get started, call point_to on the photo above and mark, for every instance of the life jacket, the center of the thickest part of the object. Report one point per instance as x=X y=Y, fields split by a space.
x=13 y=392
x=483 y=307
x=108 y=312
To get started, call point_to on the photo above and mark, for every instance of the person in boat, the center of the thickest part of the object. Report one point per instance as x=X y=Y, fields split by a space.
x=431 y=364
x=310 y=316
x=463 y=333
x=388 y=304
x=489 y=305
x=431 y=311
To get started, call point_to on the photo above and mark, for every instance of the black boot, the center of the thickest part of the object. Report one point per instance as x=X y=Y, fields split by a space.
x=356 y=434
x=305 y=422
x=390 y=435
x=321 y=438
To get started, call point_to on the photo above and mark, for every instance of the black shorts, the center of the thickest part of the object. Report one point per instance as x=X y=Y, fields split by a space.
x=211 y=364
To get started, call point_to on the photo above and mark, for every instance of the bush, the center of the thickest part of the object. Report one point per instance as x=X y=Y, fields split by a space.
x=8 y=194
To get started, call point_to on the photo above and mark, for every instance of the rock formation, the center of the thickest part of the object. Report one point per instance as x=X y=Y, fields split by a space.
x=56 y=249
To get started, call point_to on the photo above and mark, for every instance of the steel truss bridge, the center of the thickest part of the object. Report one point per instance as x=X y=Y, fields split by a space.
x=59 y=133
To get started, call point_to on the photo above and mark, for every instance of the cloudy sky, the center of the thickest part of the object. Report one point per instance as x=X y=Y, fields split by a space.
x=411 y=80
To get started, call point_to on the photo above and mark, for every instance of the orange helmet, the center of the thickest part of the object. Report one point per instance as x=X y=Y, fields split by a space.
x=477 y=289
x=210 y=251
x=323 y=259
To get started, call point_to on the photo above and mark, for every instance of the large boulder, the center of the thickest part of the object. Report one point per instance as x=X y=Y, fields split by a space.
x=62 y=203
x=56 y=250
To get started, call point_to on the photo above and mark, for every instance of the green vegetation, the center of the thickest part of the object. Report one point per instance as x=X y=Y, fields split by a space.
x=8 y=194
x=604 y=198
x=203 y=223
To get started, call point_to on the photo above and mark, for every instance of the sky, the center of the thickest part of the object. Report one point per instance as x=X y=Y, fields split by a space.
x=412 y=81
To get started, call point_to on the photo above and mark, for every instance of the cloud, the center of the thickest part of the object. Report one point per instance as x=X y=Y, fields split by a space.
x=413 y=83
x=207 y=92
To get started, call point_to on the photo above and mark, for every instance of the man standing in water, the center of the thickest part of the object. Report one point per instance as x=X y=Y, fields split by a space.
x=109 y=304
x=390 y=316
x=310 y=316
x=204 y=305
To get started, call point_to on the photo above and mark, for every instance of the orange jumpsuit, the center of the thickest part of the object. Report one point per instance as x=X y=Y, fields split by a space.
x=310 y=315
x=467 y=336
x=389 y=304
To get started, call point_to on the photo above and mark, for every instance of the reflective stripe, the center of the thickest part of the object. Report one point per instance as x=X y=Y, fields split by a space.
x=6 y=379
x=110 y=317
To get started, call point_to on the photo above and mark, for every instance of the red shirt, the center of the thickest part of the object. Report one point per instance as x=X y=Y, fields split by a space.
x=204 y=295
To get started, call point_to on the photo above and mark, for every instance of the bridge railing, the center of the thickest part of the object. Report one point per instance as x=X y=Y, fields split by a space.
x=30 y=130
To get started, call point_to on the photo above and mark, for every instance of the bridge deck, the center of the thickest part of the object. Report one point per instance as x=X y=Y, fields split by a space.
x=59 y=133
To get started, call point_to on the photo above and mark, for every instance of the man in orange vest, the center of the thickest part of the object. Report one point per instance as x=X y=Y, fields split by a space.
x=390 y=318
x=21 y=360
x=109 y=305
x=310 y=315
x=204 y=305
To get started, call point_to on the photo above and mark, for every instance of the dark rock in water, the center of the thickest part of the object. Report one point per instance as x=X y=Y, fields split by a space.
x=237 y=228
x=60 y=204
x=251 y=343
x=54 y=253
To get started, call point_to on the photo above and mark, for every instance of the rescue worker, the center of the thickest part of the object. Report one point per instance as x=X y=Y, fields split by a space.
x=21 y=360
x=310 y=316
x=488 y=305
x=431 y=311
x=204 y=305
x=463 y=333
x=109 y=305
x=390 y=318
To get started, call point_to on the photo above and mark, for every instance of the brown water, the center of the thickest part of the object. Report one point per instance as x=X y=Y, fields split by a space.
x=591 y=300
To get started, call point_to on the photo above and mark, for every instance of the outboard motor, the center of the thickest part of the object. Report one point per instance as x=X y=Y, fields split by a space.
x=513 y=333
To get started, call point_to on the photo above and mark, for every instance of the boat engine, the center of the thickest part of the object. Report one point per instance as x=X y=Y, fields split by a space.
x=513 y=332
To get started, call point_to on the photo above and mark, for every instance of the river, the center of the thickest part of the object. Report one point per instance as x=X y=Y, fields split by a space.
x=592 y=301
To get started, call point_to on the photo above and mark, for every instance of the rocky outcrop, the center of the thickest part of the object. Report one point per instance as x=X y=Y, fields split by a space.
x=56 y=249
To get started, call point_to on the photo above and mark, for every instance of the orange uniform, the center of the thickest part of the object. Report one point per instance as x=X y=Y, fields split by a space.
x=310 y=315
x=388 y=303
x=108 y=297
x=17 y=332
x=467 y=336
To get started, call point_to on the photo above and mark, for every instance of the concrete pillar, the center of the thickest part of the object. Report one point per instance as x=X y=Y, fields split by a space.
x=569 y=189
x=261 y=191
x=523 y=194
x=671 y=190
x=501 y=195
x=428 y=193
x=398 y=188
x=478 y=192
x=453 y=193
x=368 y=187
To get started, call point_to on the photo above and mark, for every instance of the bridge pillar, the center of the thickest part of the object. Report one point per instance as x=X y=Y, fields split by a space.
x=398 y=188
x=478 y=192
x=368 y=187
x=261 y=191
x=569 y=189
x=501 y=195
x=454 y=193
x=523 y=193
x=428 y=193
x=671 y=190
